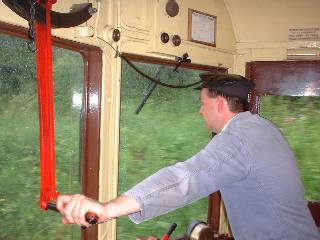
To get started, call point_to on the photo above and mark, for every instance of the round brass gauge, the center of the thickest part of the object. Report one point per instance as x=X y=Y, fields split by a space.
x=198 y=230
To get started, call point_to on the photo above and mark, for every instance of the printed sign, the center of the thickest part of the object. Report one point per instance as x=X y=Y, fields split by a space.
x=303 y=34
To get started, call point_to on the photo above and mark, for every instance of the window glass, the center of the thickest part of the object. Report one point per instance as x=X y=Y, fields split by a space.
x=167 y=129
x=299 y=118
x=20 y=215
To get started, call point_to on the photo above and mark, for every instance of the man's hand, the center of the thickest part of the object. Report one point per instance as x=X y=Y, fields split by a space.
x=74 y=207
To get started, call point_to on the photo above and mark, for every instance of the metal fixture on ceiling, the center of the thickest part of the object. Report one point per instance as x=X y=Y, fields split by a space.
x=172 y=8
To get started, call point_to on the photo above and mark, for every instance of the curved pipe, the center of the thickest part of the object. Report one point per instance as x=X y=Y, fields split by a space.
x=78 y=15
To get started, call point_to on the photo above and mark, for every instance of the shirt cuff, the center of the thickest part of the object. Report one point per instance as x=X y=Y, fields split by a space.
x=136 y=217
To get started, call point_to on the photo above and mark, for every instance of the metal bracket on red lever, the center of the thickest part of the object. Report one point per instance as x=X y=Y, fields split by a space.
x=79 y=13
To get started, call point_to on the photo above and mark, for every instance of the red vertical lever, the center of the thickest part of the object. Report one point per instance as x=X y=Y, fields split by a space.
x=46 y=107
x=48 y=191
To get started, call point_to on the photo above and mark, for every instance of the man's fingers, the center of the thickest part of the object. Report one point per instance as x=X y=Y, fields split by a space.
x=64 y=220
x=74 y=208
x=82 y=219
x=69 y=210
x=62 y=201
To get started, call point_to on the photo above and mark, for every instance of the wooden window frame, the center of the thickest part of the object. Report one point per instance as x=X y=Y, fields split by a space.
x=90 y=122
x=282 y=78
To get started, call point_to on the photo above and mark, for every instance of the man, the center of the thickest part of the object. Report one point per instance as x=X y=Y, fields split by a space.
x=248 y=160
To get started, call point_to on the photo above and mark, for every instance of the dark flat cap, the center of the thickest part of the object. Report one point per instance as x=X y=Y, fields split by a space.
x=229 y=84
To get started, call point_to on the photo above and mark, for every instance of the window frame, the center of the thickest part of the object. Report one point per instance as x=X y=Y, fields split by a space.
x=90 y=120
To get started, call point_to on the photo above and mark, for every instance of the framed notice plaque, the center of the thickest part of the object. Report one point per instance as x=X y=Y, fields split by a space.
x=202 y=28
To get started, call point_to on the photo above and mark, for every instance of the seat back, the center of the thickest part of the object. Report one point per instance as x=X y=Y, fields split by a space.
x=315 y=212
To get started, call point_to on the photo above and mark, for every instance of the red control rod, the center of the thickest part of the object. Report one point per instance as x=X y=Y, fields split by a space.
x=48 y=193
x=46 y=107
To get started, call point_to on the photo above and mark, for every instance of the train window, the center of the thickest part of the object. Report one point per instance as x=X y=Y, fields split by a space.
x=167 y=129
x=19 y=140
x=298 y=118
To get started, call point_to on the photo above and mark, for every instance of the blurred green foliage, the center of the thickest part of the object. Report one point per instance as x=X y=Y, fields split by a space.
x=20 y=216
x=298 y=118
x=168 y=129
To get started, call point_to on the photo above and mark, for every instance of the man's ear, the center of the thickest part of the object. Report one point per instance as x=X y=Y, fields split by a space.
x=221 y=103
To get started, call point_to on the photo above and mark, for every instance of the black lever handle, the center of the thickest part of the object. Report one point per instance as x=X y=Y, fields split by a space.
x=169 y=232
x=171 y=229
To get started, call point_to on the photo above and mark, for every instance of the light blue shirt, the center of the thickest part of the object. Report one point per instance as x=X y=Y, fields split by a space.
x=252 y=165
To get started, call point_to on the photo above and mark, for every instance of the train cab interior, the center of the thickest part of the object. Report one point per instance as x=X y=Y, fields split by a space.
x=123 y=74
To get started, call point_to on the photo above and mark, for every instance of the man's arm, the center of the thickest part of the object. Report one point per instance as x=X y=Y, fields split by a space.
x=74 y=207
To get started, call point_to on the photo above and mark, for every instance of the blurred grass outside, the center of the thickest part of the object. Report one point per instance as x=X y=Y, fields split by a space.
x=20 y=215
x=299 y=120
x=168 y=129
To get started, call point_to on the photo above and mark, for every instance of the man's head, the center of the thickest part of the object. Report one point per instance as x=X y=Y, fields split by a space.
x=222 y=96
x=231 y=86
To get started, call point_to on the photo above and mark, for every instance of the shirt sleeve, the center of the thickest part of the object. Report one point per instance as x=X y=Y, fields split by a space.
x=221 y=162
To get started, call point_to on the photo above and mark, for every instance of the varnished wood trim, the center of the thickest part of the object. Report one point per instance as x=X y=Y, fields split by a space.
x=91 y=131
x=314 y=208
x=166 y=62
x=285 y=78
x=214 y=206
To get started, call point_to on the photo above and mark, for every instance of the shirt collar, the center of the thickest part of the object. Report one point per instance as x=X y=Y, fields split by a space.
x=229 y=122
